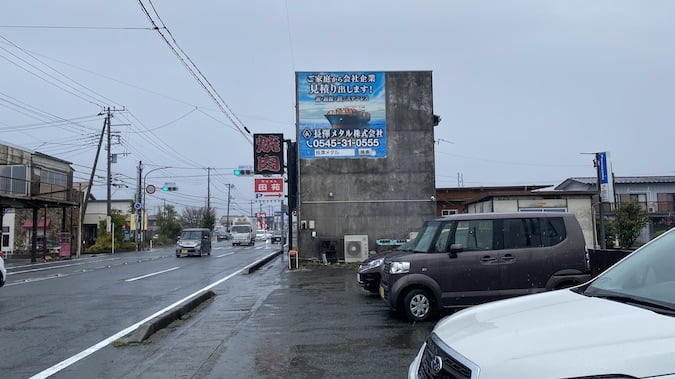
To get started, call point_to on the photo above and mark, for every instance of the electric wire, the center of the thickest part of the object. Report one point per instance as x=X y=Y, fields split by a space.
x=213 y=94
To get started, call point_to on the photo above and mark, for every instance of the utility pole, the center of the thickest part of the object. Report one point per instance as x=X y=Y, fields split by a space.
x=208 y=189
x=109 y=176
x=139 y=195
x=108 y=117
x=229 y=187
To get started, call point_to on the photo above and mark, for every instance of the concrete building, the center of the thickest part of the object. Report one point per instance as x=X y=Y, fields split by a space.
x=369 y=170
x=33 y=185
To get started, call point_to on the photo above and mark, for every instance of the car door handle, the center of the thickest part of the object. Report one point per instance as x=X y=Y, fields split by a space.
x=508 y=258
x=488 y=259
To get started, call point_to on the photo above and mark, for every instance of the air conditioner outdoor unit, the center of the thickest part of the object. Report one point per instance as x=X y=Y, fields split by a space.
x=651 y=209
x=356 y=247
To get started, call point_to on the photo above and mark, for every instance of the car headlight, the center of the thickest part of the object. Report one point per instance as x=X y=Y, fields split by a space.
x=399 y=267
x=372 y=264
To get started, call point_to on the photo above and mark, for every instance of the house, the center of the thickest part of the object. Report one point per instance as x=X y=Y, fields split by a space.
x=654 y=194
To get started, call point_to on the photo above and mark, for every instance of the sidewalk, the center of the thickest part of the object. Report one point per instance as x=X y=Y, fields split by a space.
x=315 y=322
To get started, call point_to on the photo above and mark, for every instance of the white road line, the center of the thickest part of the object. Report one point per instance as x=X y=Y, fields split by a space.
x=224 y=255
x=91 y=350
x=54 y=266
x=149 y=275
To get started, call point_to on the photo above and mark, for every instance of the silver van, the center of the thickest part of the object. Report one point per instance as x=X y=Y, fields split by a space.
x=468 y=259
x=194 y=241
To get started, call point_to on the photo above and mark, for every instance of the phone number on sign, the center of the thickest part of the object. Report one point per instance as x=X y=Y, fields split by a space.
x=334 y=143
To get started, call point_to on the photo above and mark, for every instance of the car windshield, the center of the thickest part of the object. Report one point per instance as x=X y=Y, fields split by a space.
x=241 y=229
x=191 y=235
x=425 y=237
x=646 y=278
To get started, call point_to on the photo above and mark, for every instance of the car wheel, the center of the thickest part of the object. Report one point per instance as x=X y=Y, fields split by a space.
x=177 y=255
x=417 y=305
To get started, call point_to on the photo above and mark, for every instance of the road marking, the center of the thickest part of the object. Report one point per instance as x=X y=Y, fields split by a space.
x=54 y=266
x=224 y=255
x=33 y=280
x=149 y=275
x=91 y=350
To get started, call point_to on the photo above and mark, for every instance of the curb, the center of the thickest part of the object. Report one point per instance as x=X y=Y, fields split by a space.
x=256 y=265
x=144 y=331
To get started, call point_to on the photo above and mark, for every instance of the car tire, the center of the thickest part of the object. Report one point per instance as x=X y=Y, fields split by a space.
x=417 y=305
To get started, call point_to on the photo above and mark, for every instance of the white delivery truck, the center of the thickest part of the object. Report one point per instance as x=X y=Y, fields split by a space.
x=243 y=232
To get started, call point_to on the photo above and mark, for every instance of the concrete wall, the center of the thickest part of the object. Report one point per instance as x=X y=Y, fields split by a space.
x=384 y=198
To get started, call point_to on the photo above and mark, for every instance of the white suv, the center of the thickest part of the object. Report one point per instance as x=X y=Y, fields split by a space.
x=3 y=271
x=619 y=325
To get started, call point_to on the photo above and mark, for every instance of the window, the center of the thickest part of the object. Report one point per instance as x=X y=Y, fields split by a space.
x=552 y=231
x=13 y=180
x=542 y=210
x=441 y=244
x=520 y=233
x=448 y=212
x=474 y=234
x=640 y=198
x=665 y=202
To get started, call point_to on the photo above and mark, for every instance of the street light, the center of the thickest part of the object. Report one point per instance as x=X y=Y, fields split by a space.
x=144 y=213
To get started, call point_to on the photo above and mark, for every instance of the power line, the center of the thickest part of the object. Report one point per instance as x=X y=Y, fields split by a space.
x=195 y=72
x=74 y=27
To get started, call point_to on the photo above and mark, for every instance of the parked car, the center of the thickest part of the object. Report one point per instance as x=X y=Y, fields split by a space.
x=369 y=272
x=194 y=241
x=3 y=271
x=53 y=244
x=619 y=325
x=466 y=259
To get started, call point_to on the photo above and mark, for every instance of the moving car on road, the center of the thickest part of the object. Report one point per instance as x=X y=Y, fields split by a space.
x=194 y=241
x=277 y=236
x=619 y=325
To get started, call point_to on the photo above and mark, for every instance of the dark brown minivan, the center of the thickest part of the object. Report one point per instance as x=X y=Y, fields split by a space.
x=468 y=259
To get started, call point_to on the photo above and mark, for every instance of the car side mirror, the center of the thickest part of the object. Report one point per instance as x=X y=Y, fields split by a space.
x=455 y=248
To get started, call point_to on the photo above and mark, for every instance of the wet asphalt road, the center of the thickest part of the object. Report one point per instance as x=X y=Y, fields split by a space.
x=310 y=323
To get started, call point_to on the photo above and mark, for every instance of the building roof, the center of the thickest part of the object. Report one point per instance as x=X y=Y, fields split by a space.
x=590 y=180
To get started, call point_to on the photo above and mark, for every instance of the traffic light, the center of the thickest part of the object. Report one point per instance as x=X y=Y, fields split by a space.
x=240 y=172
x=169 y=188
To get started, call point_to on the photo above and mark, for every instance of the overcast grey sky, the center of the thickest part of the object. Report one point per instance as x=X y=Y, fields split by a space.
x=523 y=87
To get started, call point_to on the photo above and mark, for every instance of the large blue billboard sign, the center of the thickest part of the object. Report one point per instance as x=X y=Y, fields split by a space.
x=341 y=115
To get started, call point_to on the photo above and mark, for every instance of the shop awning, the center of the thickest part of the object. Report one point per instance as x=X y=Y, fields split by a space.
x=28 y=224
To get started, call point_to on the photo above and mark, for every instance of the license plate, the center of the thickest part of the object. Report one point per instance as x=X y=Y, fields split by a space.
x=184 y=251
x=382 y=292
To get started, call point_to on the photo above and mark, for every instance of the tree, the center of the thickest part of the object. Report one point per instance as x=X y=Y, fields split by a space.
x=629 y=222
x=193 y=217
x=167 y=221
x=209 y=219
